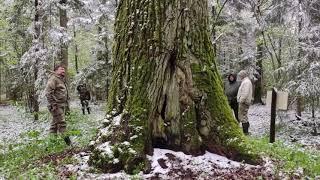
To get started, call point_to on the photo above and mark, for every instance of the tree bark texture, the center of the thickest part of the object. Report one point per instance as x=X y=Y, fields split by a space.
x=76 y=51
x=165 y=90
x=34 y=97
x=299 y=97
x=63 y=24
x=1 y=78
x=258 y=84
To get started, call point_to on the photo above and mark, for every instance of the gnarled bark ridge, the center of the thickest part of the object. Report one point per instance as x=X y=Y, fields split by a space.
x=166 y=90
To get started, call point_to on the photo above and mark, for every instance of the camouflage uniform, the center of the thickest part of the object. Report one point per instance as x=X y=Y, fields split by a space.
x=57 y=96
x=84 y=98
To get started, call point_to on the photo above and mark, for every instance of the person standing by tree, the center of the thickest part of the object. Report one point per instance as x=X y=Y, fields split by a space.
x=231 y=88
x=84 y=97
x=244 y=98
x=57 y=97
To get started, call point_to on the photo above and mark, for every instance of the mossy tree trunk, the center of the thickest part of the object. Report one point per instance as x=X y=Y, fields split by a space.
x=166 y=91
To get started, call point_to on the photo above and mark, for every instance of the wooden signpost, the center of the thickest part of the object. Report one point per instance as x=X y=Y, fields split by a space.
x=276 y=100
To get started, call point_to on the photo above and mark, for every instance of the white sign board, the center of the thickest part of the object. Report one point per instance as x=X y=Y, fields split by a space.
x=282 y=100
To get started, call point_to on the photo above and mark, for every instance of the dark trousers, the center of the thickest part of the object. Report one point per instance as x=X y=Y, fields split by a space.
x=235 y=107
x=84 y=104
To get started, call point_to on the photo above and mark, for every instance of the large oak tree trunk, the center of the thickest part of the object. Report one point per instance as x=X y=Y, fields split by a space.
x=166 y=91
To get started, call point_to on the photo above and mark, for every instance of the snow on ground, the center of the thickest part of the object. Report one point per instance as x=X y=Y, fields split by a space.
x=167 y=164
x=289 y=129
x=97 y=109
x=259 y=118
x=14 y=122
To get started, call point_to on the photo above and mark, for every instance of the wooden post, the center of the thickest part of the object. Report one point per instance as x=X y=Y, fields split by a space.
x=273 y=116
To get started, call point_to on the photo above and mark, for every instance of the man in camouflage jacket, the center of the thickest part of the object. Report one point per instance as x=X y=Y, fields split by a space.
x=57 y=96
x=84 y=97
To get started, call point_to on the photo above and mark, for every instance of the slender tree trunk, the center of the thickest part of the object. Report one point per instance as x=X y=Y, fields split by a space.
x=0 y=78
x=299 y=97
x=103 y=54
x=258 y=84
x=63 y=24
x=75 y=49
x=313 y=107
x=64 y=45
x=165 y=91
x=34 y=98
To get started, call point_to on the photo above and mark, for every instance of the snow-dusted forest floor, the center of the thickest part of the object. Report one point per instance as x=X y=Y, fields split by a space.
x=288 y=128
x=15 y=123
x=166 y=164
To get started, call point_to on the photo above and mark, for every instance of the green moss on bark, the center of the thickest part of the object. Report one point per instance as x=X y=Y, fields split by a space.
x=191 y=139
x=225 y=135
x=165 y=86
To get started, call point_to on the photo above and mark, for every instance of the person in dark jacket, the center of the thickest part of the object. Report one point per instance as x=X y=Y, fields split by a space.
x=231 y=88
x=84 y=97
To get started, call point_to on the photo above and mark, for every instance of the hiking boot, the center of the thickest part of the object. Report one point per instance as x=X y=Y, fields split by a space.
x=67 y=140
x=245 y=128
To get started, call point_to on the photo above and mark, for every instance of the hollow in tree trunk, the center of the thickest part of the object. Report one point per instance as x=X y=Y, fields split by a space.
x=166 y=90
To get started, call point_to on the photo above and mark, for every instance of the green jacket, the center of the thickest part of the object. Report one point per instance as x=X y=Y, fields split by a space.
x=56 y=91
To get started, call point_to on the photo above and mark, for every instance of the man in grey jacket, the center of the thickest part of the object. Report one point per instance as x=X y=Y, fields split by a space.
x=244 y=98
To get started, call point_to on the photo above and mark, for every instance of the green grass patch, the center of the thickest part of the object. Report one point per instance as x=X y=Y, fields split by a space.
x=20 y=159
x=288 y=158
x=27 y=159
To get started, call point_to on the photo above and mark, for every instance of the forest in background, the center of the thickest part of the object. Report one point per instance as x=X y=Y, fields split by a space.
x=276 y=41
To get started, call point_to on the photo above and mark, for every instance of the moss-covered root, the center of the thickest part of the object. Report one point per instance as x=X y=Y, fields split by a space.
x=124 y=142
x=113 y=158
